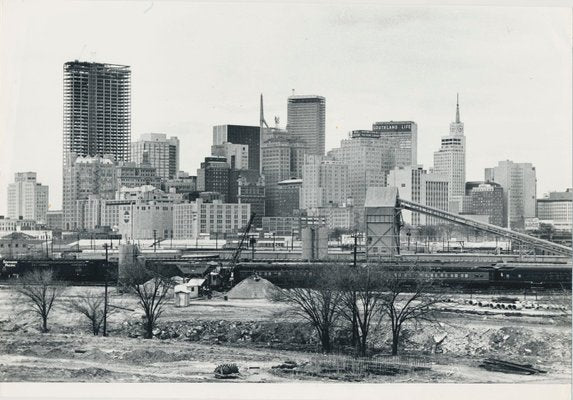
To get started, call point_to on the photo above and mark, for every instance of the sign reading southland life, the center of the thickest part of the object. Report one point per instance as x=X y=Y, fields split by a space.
x=394 y=126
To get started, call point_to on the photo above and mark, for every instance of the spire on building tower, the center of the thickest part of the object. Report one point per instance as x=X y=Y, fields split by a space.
x=457 y=108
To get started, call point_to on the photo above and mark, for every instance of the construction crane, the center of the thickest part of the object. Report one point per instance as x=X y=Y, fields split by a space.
x=237 y=254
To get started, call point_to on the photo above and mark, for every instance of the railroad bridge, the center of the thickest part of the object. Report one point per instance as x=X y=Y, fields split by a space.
x=383 y=219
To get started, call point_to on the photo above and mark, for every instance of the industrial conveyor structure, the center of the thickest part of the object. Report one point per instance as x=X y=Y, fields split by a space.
x=383 y=208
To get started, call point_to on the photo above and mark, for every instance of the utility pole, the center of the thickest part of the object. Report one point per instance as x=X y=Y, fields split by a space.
x=355 y=247
x=105 y=246
x=154 y=240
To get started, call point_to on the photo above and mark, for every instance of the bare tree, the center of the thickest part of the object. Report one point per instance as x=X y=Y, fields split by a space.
x=91 y=306
x=361 y=301
x=318 y=302
x=151 y=289
x=408 y=297
x=41 y=291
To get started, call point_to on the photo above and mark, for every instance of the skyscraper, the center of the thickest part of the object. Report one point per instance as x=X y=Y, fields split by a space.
x=213 y=176
x=158 y=151
x=89 y=179
x=519 y=183
x=27 y=198
x=97 y=110
x=97 y=121
x=402 y=139
x=306 y=121
x=450 y=160
x=324 y=183
x=282 y=159
x=407 y=179
x=241 y=134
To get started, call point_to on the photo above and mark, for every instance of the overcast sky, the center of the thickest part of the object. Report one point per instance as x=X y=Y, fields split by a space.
x=195 y=65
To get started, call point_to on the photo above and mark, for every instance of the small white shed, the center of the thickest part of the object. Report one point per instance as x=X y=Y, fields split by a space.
x=181 y=296
x=195 y=287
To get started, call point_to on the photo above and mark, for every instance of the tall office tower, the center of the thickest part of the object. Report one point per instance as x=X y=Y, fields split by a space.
x=366 y=157
x=97 y=118
x=450 y=160
x=519 y=184
x=87 y=176
x=241 y=134
x=324 y=182
x=484 y=199
x=306 y=121
x=402 y=139
x=97 y=110
x=282 y=159
x=157 y=150
x=407 y=179
x=213 y=176
x=237 y=155
x=27 y=198
x=434 y=189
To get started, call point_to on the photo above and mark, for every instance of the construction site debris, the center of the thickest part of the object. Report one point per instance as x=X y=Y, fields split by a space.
x=227 y=371
x=492 y=364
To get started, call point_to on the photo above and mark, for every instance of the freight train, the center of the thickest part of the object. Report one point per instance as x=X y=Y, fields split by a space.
x=501 y=275
x=284 y=274
x=77 y=271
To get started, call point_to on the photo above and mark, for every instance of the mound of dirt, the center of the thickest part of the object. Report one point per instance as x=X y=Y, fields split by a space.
x=253 y=287
x=151 y=356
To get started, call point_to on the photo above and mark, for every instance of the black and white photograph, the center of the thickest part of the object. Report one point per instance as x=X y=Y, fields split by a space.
x=297 y=199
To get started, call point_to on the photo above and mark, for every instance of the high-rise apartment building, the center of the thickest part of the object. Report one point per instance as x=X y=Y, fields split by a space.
x=519 y=183
x=97 y=121
x=27 y=198
x=450 y=160
x=402 y=139
x=97 y=110
x=306 y=121
x=160 y=152
x=241 y=134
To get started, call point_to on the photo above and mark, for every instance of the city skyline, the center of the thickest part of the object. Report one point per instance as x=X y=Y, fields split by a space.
x=502 y=122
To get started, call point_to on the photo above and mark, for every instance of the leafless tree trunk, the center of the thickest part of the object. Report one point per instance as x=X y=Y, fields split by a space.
x=151 y=289
x=41 y=291
x=361 y=294
x=318 y=303
x=407 y=297
x=91 y=306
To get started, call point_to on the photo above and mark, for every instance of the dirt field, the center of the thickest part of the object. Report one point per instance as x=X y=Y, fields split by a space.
x=257 y=335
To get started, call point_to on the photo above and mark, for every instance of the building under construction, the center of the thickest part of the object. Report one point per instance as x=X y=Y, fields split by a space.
x=97 y=110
